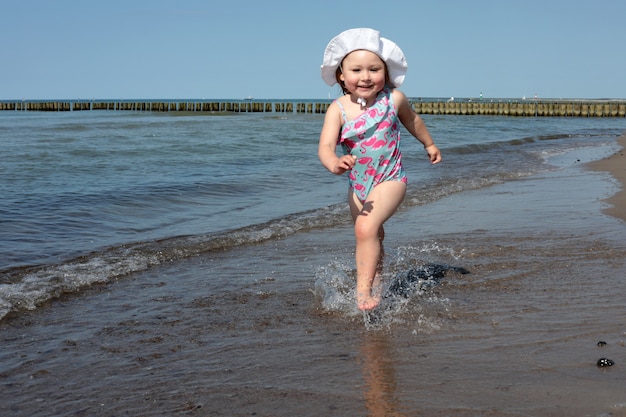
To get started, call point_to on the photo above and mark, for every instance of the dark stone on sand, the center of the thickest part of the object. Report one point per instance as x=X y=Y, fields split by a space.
x=407 y=283
x=420 y=279
x=604 y=362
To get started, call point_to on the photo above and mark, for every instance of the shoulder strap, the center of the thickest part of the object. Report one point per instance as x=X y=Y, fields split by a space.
x=343 y=112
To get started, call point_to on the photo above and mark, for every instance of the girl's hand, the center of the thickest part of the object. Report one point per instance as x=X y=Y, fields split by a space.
x=344 y=163
x=433 y=154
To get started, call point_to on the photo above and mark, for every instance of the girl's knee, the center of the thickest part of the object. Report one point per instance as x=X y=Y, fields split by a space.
x=364 y=230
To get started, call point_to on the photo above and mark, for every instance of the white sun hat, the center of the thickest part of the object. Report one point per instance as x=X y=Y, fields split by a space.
x=369 y=40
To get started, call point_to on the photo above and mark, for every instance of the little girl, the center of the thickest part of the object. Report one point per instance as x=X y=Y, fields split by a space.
x=365 y=122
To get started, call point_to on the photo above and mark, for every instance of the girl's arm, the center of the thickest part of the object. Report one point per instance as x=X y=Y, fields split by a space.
x=415 y=125
x=328 y=143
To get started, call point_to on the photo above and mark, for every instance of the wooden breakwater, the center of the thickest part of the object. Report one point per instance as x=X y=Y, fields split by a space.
x=521 y=108
x=526 y=108
x=165 y=106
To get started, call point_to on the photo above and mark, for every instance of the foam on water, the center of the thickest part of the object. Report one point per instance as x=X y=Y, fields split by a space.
x=408 y=285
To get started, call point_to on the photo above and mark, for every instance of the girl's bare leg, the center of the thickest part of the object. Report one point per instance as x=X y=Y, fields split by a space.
x=368 y=218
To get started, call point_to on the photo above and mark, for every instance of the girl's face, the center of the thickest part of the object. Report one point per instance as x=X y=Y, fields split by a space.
x=363 y=74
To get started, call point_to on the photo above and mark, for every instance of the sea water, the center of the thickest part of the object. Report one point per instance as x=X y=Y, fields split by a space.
x=89 y=196
x=203 y=264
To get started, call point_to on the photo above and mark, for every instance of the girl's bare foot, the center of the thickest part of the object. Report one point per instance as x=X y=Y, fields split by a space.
x=368 y=296
x=367 y=302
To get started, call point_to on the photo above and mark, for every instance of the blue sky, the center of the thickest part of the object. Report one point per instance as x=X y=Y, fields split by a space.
x=150 y=49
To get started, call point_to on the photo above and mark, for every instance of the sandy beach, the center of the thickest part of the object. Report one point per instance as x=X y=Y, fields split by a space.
x=616 y=166
x=262 y=321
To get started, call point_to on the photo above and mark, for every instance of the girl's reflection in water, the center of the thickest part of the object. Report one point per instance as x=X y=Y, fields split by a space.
x=379 y=375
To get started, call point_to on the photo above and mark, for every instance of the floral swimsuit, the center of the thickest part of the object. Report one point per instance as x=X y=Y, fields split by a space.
x=374 y=138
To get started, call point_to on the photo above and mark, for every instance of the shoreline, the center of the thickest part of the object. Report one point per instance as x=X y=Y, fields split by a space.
x=226 y=332
x=615 y=165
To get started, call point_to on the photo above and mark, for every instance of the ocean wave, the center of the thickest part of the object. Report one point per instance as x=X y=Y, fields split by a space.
x=26 y=288
x=481 y=147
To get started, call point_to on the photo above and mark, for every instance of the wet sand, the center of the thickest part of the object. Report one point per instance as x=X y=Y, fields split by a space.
x=616 y=166
x=240 y=332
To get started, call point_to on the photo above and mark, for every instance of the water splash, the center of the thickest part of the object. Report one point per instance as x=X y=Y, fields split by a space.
x=408 y=289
